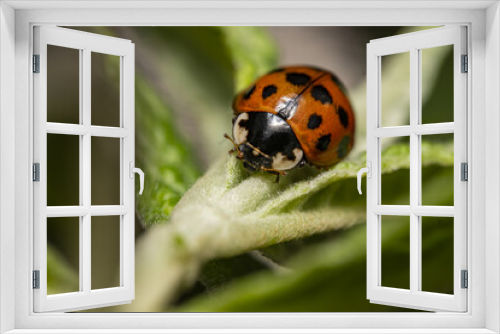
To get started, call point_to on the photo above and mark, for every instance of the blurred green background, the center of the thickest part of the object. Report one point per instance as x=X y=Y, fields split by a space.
x=186 y=78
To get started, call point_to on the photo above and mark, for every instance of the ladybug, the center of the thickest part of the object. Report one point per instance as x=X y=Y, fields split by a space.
x=290 y=117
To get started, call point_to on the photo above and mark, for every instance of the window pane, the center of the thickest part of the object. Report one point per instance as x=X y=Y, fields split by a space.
x=437 y=254
x=105 y=90
x=437 y=170
x=395 y=183
x=105 y=252
x=395 y=242
x=63 y=170
x=63 y=85
x=105 y=171
x=395 y=89
x=63 y=254
x=437 y=99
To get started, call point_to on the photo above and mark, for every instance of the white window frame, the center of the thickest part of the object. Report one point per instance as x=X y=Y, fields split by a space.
x=16 y=22
x=413 y=44
x=85 y=43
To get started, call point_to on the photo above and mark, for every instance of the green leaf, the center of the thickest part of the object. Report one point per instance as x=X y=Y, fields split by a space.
x=229 y=212
x=328 y=274
x=165 y=158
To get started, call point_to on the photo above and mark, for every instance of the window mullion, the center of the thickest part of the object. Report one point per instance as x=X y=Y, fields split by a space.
x=85 y=165
x=414 y=170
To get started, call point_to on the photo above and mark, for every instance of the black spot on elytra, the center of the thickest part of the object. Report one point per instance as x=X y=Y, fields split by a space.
x=248 y=93
x=320 y=93
x=323 y=142
x=268 y=91
x=339 y=83
x=314 y=121
x=298 y=79
x=342 y=148
x=344 y=118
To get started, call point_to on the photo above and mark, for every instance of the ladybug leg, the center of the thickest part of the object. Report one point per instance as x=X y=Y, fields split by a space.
x=277 y=172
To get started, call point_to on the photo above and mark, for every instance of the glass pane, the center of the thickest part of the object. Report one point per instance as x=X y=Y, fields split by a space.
x=437 y=254
x=395 y=242
x=63 y=170
x=395 y=89
x=63 y=255
x=437 y=170
x=395 y=184
x=105 y=158
x=437 y=84
x=105 y=90
x=105 y=252
x=63 y=85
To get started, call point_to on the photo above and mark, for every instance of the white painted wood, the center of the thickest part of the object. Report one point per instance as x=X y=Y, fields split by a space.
x=311 y=330
x=407 y=210
x=7 y=167
x=471 y=322
x=77 y=129
x=86 y=297
x=127 y=230
x=79 y=211
x=413 y=43
x=419 y=129
x=414 y=170
x=491 y=162
x=264 y=4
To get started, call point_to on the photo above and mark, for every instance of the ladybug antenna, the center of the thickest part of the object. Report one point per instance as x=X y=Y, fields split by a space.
x=236 y=148
x=257 y=150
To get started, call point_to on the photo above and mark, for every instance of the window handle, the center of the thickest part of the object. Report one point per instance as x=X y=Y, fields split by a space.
x=368 y=171
x=141 y=175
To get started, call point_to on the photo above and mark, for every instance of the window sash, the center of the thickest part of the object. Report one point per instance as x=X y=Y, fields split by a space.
x=414 y=298
x=86 y=43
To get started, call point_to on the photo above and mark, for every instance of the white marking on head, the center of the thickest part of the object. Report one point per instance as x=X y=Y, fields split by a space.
x=281 y=162
x=240 y=133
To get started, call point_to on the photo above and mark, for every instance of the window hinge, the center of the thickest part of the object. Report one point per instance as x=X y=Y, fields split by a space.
x=36 y=63
x=465 y=64
x=36 y=279
x=464 y=279
x=464 y=171
x=36 y=172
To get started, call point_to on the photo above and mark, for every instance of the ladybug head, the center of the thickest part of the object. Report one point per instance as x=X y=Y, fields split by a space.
x=253 y=158
x=265 y=141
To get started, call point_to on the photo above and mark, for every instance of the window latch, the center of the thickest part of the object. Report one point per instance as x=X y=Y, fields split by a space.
x=368 y=171
x=133 y=170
